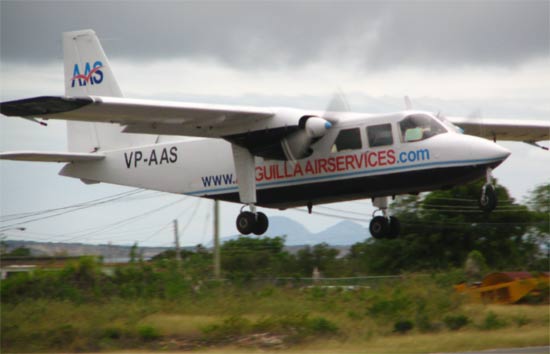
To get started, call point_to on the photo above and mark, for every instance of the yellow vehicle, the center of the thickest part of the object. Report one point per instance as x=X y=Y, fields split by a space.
x=505 y=287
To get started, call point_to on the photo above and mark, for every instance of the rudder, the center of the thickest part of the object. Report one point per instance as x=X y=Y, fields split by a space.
x=88 y=73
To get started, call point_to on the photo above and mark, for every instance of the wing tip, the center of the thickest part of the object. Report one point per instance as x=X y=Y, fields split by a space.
x=42 y=105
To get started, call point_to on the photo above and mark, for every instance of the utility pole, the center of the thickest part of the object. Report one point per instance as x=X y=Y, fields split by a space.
x=217 y=265
x=177 y=241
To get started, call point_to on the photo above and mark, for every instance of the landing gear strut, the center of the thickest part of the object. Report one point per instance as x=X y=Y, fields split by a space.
x=248 y=221
x=488 y=200
x=383 y=226
x=252 y=222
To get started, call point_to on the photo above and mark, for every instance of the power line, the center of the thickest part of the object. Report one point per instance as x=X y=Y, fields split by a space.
x=127 y=220
x=165 y=226
x=11 y=217
x=454 y=224
x=70 y=209
x=333 y=215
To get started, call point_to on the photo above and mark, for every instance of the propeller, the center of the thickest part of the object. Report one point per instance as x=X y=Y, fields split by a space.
x=477 y=114
x=338 y=103
x=298 y=144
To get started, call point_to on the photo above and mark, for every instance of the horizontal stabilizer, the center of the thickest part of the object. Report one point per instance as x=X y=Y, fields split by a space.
x=41 y=156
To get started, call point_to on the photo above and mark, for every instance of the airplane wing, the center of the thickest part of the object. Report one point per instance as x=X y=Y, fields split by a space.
x=504 y=129
x=42 y=156
x=143 y=116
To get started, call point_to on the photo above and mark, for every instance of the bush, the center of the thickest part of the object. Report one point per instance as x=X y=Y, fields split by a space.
x=424 y=324
x=148 y=333
x=492 y=321
x=230 y=327
x=112 y=333
x=521 y=321
x=61 y=336
x=320 y=325
x=402 y=326
x=456 y=322
x=389 y=306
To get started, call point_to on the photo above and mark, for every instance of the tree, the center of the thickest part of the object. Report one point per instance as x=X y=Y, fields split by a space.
x=320 y=256
x=20 y=252
x=134 y=253
x=3 y=245
x=247 y=257
x=441 y=228
x=538 y=202
x=539 y=199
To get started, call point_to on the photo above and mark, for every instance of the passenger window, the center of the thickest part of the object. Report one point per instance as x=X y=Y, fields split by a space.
x=379 y=135
x=419 y=127
x=347 y=139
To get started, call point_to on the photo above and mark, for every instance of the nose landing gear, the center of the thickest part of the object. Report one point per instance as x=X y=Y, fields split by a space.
x=488 y=200
x=383 y=226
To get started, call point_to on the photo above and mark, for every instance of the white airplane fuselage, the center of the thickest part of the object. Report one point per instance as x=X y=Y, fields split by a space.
x=205 y=167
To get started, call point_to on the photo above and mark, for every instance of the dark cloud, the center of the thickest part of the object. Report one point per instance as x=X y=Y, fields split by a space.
x=257 y=34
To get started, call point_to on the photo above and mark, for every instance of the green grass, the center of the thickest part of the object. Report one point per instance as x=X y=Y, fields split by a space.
x=315 y=320
x=469 y=340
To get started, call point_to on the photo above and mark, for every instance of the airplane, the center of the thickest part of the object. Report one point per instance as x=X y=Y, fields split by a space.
x=271 y=157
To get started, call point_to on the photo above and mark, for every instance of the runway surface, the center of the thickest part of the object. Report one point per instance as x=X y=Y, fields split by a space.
x=529 y=350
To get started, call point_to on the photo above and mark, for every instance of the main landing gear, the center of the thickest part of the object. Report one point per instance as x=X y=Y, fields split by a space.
x=383 y=226
x=249 y=222
x=488 y=200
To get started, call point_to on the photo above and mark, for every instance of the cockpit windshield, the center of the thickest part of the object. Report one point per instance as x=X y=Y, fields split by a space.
x=418 y=127
x=448 y=124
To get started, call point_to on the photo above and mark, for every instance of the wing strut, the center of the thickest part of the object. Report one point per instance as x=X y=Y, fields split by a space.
x=534 y=143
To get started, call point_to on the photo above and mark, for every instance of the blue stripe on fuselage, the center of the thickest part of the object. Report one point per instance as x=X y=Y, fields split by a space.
x=348 y=174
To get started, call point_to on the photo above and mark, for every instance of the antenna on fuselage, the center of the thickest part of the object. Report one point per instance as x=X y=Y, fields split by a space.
x=408 y=103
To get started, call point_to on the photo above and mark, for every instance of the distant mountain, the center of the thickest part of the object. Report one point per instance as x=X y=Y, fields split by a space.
x=343 y=233
x=293 y=230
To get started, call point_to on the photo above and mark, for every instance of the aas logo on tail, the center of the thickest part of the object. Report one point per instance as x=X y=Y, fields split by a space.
x=92 y=74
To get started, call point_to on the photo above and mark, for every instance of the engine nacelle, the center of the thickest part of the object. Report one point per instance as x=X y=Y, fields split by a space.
x=316 y=127
x=297 y=145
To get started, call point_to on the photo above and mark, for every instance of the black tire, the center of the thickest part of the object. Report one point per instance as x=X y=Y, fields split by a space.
x=488 y=203
x=262 y=223
x=246 y=222
x=379 y=227
x=395 y=227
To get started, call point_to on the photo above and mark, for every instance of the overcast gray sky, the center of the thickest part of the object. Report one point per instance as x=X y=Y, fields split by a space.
x=454 y=56
x=383 y=34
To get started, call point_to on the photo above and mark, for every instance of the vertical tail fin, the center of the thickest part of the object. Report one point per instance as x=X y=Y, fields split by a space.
x=88 y=73
x=87 y=70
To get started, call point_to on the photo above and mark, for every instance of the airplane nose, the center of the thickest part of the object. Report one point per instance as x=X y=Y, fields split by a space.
x=489 y=150
x=502 y=151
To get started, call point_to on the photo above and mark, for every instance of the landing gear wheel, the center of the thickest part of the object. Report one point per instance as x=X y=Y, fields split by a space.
x=488 y=200
x=379 y=227
x=262 y=223
x=395 y=227
x=246 y=222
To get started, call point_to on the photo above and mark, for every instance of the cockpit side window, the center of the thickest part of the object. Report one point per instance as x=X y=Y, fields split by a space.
x=418 y=127
x=347 y=139
x=379 y=135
